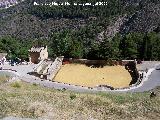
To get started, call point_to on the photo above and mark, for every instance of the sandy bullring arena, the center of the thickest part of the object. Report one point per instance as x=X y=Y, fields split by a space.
x=78 y=74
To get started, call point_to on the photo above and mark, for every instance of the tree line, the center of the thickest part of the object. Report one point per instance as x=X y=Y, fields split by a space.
x=72 y=44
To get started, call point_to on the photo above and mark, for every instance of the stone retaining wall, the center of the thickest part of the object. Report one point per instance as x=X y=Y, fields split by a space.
x=96 y=62
x=54 y=68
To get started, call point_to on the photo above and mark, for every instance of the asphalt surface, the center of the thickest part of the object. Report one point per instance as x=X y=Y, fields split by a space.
x=152 y=81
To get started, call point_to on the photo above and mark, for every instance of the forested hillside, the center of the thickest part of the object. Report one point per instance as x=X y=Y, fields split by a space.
x=122 y=29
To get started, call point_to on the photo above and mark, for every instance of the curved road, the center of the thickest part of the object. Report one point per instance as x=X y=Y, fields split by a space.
x=152 y=82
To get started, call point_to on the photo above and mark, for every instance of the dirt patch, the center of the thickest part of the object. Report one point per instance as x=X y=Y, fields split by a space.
x=77 y=74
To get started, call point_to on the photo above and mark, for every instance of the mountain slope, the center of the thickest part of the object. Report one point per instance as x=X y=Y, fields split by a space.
x=27 y=21
x=145 y=20
x=8 y=3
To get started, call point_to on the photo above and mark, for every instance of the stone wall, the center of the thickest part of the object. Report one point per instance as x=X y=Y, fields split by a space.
x=44 y=54
x=97 y=62
x=54 y=68
x=38 y=67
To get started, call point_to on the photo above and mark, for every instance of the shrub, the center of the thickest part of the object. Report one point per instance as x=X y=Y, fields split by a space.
x=63 y=89
x=34 y=84
x=72 y=96
x=16 y=85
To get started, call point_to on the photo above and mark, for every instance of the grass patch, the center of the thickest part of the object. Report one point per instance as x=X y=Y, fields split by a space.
x=33 y=102
x=72 y=96
x=3 y=79
x=34 y=84
x=16 y=85
x=122 y=98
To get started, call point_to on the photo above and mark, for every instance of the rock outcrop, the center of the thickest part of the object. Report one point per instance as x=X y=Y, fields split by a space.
x=8 y=3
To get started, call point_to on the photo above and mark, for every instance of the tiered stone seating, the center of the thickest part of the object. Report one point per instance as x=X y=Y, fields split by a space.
x=54 y=68
x=44 y=65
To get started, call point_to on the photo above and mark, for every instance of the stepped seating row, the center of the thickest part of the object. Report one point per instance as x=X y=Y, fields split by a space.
x=54 y=68
x=48 y=69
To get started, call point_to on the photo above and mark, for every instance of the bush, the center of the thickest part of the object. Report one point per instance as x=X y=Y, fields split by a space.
x=16 y=85
x=63 y=89
x=72 y=96
x=34 y=84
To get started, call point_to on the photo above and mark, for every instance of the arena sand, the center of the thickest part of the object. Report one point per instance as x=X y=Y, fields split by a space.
x=77 y=74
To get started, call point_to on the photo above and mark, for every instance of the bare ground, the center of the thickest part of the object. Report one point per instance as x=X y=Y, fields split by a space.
x=77 y=74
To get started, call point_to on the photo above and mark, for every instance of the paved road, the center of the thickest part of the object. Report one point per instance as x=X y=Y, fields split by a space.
x=152 y=82
x=147 y=65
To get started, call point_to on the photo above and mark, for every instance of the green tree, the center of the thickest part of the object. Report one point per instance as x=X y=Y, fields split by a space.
x=105 y=50
x=76 y=49
x=60 y=44
x=129 y=47
x=115 y=49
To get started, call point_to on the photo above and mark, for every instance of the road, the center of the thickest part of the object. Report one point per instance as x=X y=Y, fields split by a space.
x=152 y=82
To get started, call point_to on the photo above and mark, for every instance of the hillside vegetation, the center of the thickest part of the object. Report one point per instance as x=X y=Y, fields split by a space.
x=123 y=29
x=25 y=100
x=131 y=46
